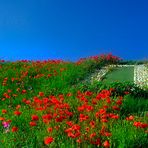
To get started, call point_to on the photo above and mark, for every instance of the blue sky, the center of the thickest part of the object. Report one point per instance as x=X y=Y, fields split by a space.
x=71 y=29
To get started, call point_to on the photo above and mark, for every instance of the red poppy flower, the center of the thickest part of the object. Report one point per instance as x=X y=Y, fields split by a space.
x=144 y=125
x=106 y=144
x=126 y=92
x=119 y=102
x=87 y=129
x=115 y=117
x=104 y=120
x=9 y=91
x=70 y=123
x=92 y=135
x=94 y=101
x=98 y=142
x=2 y=119
x=47 y=116
x=140 y=124
x=34 y=117
x=83 y=117
x=89 y=108
x=79 y=140
x=88 y=93
x=41 y=94
x=49 y=129
x=17 y=113
x=130 y=118
x=4 y=111
x=92 y=124
x=81 y=108
x=14 y=129
x=18 y=106
x=116 y=108
x=107 y=134
x=32 y=123
x=48 y=140
x=27 y=101
x=69 y=95
x=24 y=91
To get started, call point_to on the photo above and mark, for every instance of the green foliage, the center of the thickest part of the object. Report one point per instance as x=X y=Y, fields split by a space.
x=64 y=82
x=120 y=88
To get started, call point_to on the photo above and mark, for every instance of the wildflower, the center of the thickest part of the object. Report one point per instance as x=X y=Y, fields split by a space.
x=1 y=118
x=24 y=91
x=115 y=117
x=56 y=127
x=27 y=101
x=7 y=130
x=106 y=144
x=12 y=79
x=9 y=90
x=18 y=89
x=48 y=140
x=137 y=124
x=94 y=101
x=41 y=94
x=126 y=92
x=5 y=124
x=88 y=93
x=76 y=127
x=89 y=108
x=3 y=99
x=108 y=100
x=14 y=129
x=4 y=111
x=49 y=75
x=81 y=108
x=116 y=108
x=34 y=117
x=107 y=134
x=18 y=106
x=79 y=140
x=92 y=124
x=45 y=100
x=47 y=116
x=98 y=141
x=92 y=135
x=119 y=102
x=144 y=125
x=140 y=124
x=69 y=95
x=102 y=111
x=83 y=117
x=130 y=118
x=87 y=129
x=17 y=113
x=104 y=120
x=49 y=129
x=32 y=123
x=70 y=123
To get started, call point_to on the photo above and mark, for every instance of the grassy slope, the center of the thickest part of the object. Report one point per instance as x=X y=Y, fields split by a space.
x=120 y=74
x=60 y=83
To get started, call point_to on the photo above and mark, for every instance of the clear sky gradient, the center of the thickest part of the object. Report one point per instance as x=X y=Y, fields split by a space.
x=71 y=29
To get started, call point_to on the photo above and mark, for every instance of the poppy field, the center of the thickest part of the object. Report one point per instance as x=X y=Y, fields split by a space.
x=45 y=104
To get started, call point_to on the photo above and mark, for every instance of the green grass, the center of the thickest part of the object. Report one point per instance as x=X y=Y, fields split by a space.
x=133 y=105
x=124 y=74
x=55 y=89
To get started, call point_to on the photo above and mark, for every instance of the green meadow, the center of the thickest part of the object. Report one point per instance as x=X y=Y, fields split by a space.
x=48 y=104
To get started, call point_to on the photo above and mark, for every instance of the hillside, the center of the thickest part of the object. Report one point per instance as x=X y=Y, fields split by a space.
x=99 y=101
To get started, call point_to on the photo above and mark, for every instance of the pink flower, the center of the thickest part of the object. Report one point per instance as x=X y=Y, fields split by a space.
x=5 y=124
